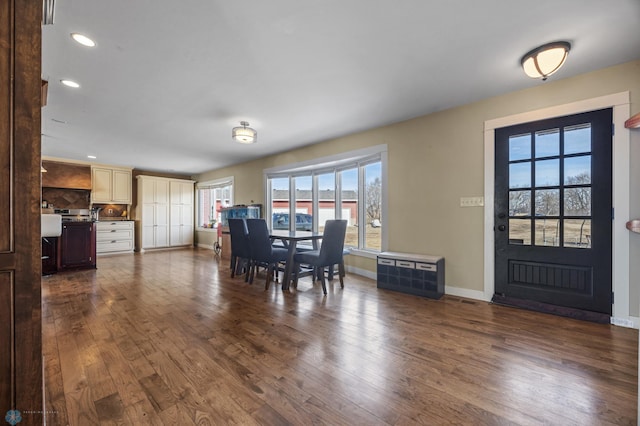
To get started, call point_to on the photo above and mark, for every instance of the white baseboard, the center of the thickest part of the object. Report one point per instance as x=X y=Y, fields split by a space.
x=630 y=322
x=464 y=292
x=362 y=272
x=205 y=246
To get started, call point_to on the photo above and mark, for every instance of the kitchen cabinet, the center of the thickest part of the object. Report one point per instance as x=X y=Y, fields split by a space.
x=114 y=237
x=153 y=212
x=181 y=213
x=110 y=185
x=77 y=246
x=164 y=212
x=49 y=255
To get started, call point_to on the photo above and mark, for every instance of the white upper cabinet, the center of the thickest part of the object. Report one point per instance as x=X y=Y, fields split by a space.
x=110 y=185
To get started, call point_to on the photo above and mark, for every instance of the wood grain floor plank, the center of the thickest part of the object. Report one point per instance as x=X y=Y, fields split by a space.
x=168 y=338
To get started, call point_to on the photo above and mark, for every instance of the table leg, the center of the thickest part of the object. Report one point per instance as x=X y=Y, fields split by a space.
x=286 y=280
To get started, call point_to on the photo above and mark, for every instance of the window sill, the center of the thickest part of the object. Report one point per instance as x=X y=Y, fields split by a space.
x=363 y=253
x=200 y=229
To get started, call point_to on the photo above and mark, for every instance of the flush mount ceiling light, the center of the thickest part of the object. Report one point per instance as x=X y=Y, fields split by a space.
x=70 y=83
x=244 y=134
x=48 y=12
x=543 y=61
x=83 y=39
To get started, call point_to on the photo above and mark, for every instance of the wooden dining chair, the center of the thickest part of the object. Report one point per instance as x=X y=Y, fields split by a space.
x=330 y=253
x=262 y=250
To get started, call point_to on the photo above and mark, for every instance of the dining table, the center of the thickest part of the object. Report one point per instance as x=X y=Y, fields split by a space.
x=290 y=240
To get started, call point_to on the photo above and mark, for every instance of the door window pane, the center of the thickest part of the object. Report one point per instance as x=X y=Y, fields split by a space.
x=577 y=170
x=349 y=206
x=519 y=203
x=519 y=147
x=548 y=232
x=547 y=143
x=548 y=172
x=577 y=201
x=520 y=231
x=520 y=175
x=548 y=202
x=577 y=233
x=577 y=139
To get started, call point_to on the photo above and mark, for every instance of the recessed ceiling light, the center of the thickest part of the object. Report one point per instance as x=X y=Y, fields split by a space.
x=93 y=157
x=70 y=83
x=83 y=39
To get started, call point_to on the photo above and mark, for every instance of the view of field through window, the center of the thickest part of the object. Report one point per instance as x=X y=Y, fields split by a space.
x=550 y=187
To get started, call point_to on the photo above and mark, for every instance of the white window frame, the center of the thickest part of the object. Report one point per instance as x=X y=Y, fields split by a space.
x=212 y=184
x=352 y=159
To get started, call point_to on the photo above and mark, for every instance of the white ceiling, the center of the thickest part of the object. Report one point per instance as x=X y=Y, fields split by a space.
x=169 y=79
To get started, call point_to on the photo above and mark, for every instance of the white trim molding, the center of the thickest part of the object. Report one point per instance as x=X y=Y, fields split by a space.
x=621 y=184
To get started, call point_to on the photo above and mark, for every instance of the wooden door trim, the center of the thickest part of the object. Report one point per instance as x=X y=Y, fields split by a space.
x=621 y=144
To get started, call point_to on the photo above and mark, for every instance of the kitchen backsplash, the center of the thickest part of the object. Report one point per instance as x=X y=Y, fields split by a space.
x=62 y=198
x=112 y=211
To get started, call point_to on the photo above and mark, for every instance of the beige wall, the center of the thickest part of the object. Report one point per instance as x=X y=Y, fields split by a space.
x=438 y=158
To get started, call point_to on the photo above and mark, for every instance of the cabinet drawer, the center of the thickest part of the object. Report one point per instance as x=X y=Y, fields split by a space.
x=114 y=245
x=108 y=226
x=426 y=266
x=389 y=262
x=405 y=264
x=114 y=234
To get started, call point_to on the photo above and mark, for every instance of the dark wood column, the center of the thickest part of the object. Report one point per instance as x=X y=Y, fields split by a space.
x=20 y=266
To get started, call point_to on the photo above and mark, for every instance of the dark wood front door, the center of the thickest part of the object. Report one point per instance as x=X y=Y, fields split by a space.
x=553 y=211
x=20 y=243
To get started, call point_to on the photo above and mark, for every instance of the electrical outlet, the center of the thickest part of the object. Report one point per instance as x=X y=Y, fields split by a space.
x=471 y=201
x=110 y=211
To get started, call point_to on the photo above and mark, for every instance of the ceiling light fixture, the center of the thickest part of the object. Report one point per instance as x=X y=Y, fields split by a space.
x=83 y=39
x=48 y=12
x=244 y=134
x=93 y=157
x=543 y=61
x=70 y=83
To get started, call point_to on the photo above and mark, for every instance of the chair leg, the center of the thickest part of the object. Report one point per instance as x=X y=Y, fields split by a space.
x=324 y=285
x=253 y=271
x=269 y=272
x=234 y=260
x=296 y=272
x=247 y=273
x=341 y=273
x=330 y=272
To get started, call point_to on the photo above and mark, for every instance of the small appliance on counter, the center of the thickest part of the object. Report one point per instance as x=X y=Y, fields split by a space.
x=75 y=215
x=95 y=214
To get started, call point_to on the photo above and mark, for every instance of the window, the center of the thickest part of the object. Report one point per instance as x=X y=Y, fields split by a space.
x=349 y=186
x=211 y=197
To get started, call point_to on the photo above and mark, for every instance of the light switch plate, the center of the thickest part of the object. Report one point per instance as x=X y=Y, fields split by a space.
x=471 y=201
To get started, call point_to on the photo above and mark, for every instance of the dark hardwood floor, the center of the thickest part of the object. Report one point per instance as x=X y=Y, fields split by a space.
x=168 y=338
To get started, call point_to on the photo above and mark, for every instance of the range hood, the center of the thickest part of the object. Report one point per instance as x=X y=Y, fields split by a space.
x=66 y=175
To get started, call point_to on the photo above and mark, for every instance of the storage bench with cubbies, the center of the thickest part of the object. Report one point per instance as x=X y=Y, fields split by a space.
x=417 y=274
